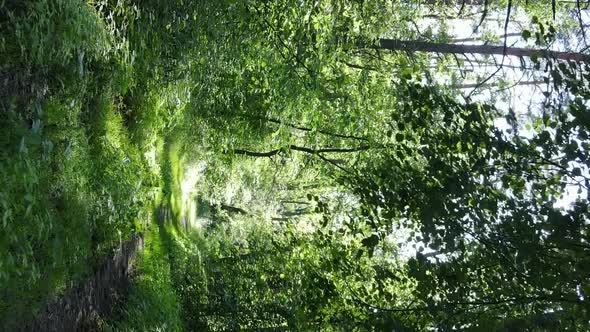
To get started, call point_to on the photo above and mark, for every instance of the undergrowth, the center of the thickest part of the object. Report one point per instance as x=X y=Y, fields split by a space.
x=152 y=304
x=90 y=110
x=78 y=120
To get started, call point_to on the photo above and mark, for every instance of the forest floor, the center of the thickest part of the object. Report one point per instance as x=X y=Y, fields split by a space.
x=84 y=307
x=152 y=303
x=85 y=156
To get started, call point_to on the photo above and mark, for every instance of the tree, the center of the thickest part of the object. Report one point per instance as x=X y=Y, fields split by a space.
x=421 y=46
x=382 y=151
x=484 y=201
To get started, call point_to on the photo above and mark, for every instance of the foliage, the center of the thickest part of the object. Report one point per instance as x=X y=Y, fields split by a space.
x=321 y=155
x=74 y=183
x=484 y=203
x=239 y=276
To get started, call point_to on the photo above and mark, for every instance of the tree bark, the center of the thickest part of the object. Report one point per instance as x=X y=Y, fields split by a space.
x=234 y=209
x=479 y=38
x=302 y=149
x=476 y=85
x=421 y=46
x=454 y=2
x=299 y=127
x=294 y=202
x=315 y=152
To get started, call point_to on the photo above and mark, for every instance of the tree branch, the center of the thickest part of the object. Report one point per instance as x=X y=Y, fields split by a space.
x=302 y=149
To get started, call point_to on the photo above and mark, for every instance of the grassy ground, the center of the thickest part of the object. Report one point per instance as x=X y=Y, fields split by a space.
x=189 y=276
x=152 y=304
x=78 y=118
x=89 y=115
x=156 y=299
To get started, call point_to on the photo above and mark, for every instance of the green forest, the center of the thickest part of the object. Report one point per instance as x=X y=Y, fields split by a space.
x=294 y=165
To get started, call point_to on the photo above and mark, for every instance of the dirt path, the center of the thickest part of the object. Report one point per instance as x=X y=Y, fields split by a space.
x=81 y=307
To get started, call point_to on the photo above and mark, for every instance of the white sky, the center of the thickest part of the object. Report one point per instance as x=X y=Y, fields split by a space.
x=521 y=98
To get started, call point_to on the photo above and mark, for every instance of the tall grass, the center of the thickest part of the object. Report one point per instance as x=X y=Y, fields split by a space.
x=74 y=181
x=87 y=89
x=152 y=304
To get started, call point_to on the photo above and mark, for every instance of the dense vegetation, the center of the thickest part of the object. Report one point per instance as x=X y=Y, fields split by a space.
x=299 y=165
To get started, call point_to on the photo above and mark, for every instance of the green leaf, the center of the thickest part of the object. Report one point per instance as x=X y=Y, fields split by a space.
x=371 y=241
x=577 y=171
x=526 y=34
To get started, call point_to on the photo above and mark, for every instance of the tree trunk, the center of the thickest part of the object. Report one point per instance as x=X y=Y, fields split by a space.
x=294 y=202
x=479 y=38
x=302 y=149
x=299 y=127
x=421 y=46
x=316 y=152
x=234 y=209
x=477 y=85
x=454 y=2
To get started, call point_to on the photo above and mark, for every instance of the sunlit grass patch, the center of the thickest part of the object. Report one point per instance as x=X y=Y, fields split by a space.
x=152 y=304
